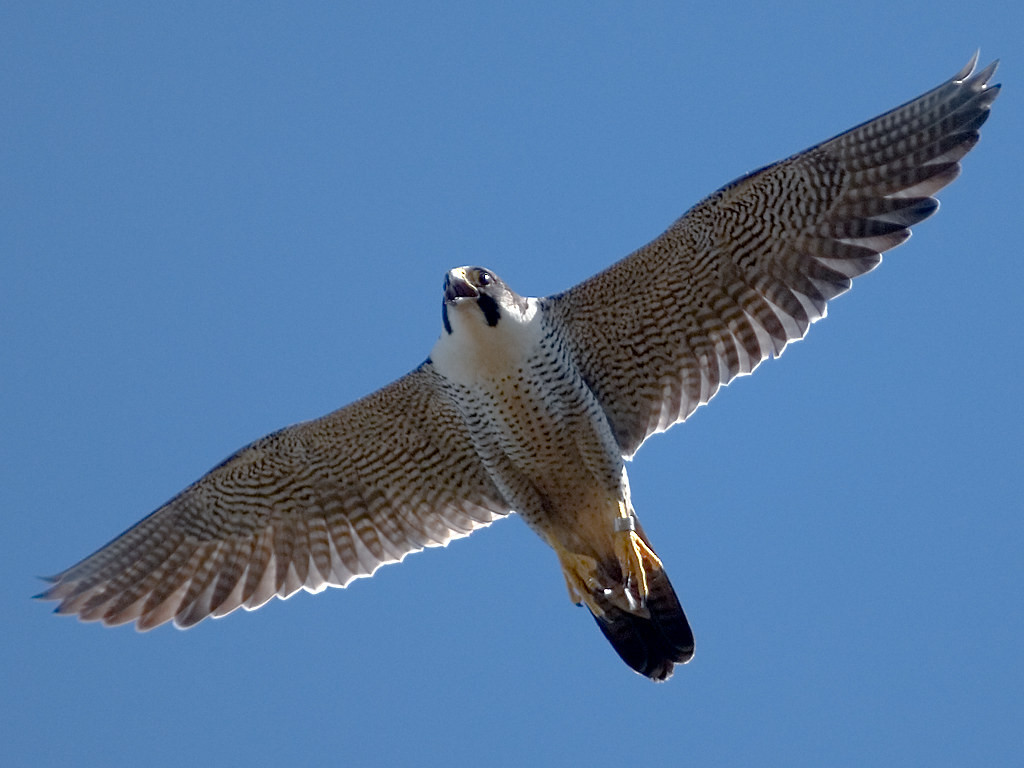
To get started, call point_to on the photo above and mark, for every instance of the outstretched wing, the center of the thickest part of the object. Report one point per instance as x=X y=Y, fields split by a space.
x=748 y=270
x=314 y=505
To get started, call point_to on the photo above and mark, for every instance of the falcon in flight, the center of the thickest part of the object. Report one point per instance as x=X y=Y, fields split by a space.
x=533 y=405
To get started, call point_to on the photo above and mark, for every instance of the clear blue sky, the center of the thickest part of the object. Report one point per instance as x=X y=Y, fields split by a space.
x=216 y=223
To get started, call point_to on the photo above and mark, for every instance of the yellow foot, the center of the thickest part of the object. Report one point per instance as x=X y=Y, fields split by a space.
x=580 y=572
x=635 y=559
x=634 y=555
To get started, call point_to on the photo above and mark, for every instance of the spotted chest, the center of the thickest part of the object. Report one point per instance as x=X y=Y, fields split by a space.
x=536 y=426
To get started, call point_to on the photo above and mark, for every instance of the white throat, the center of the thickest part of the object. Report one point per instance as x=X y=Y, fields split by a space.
x=475 y=351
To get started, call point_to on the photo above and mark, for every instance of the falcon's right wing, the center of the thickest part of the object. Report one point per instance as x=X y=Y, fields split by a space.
x=747 y=270
x=313 y=505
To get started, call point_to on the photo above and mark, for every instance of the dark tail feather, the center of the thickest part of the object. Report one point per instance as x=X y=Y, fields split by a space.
x=652 y=646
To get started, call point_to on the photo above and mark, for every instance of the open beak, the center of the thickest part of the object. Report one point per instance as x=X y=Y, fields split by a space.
x=456 y=287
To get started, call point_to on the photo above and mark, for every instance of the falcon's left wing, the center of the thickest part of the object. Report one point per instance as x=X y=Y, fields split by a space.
x=313 y=505
x=748 y=270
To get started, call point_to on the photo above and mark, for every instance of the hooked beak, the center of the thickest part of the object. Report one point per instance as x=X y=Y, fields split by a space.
x=456 y=287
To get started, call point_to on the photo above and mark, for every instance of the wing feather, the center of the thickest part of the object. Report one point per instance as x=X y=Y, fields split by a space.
x=750 y=268
x=314 y=505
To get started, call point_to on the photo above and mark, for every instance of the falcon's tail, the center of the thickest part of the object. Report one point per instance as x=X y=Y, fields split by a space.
x=653 y=638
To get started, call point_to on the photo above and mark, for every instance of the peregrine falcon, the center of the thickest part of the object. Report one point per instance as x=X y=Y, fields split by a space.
x=533 y=405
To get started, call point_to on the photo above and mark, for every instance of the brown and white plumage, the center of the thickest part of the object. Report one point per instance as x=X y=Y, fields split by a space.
x=314 y=505
x=748 y=269
x=532 y=405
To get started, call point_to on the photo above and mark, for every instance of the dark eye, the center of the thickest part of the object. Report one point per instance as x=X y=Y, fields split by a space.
x=485 y=278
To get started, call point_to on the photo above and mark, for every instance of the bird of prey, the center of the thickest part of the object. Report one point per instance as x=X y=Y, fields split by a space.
x=533 y=405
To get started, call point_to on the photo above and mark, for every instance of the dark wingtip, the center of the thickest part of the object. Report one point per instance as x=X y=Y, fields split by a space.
x=47 y=594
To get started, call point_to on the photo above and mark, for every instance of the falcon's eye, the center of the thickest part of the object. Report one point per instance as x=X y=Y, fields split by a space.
x=484 y=278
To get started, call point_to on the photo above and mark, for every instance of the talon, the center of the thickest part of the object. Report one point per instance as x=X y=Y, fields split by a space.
x=580 y=574
x=586 y=584
x=635 y=556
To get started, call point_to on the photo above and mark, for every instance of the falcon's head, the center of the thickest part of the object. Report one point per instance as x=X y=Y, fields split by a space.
x=476 y=295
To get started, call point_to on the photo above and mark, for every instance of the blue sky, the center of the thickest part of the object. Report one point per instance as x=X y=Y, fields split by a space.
x=218 y=222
